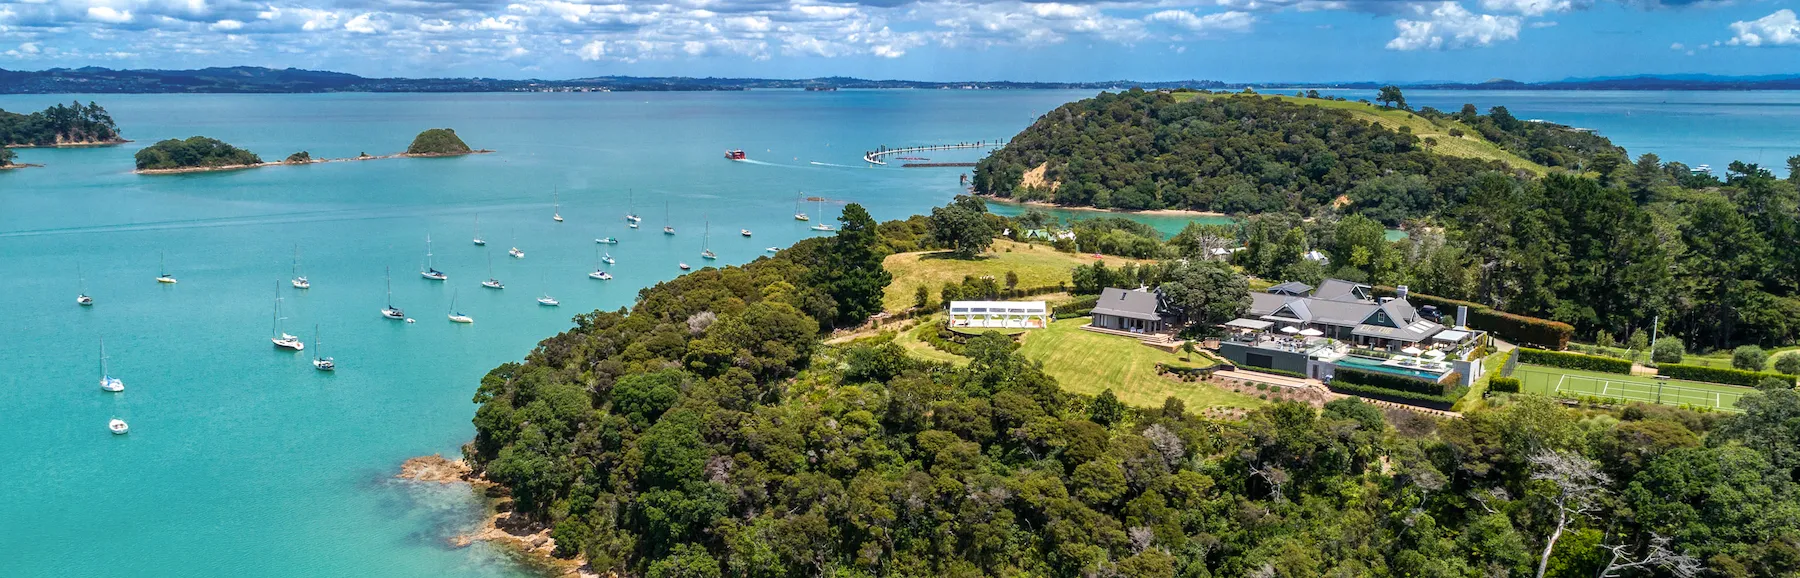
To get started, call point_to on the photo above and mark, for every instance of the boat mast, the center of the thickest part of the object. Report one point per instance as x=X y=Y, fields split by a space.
x=390 y=286
x=277 y=309
x=102 y=357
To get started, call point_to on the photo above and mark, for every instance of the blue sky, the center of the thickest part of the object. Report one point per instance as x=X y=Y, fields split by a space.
x=1231 y=40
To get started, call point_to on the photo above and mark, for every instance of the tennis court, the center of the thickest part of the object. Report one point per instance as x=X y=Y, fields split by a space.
x=1560 y=382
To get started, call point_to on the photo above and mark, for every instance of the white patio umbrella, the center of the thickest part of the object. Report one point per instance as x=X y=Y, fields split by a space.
x=1434 y=354
x=1310 y=332
x=1410 y=350
x=1289 y=329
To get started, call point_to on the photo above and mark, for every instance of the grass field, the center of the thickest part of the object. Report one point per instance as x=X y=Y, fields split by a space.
x=1551 y=380
x=1470 y=145
x=1088 y=363
x=1036 y=265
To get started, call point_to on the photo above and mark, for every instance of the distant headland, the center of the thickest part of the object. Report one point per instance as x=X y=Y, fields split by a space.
x=253 y=79
x=201 y=154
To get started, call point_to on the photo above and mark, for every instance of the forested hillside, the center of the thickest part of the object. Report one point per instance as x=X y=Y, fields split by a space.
x=707 y=432
x=59 y=124
x=1246 y=153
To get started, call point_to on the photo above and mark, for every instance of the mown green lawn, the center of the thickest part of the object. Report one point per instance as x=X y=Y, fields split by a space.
x=1036 y=265
x=1087 y=363
x=1542 y=380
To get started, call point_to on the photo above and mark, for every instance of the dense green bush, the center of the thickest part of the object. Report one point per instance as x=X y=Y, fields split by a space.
x=1504 y=385
x=1574 y=361
x=70 y=123
x=1788 y=363
x=1443 y=401
x=1388 y=381
x=1749 y=358
x=1079 y=307
x=1668 y=350
x=1719 y=375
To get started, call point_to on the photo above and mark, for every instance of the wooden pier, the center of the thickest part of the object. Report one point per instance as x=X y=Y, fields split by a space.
x=874 y=156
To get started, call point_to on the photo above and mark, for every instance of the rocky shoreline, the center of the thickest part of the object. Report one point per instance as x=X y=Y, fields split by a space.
x=73 y=144
x=12 y=166
x=530 y=541
x=1050 y=205
x=223 y=168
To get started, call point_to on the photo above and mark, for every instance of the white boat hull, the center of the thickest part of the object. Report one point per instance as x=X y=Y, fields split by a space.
x=288 y=343
x=118 y=427
x=461 y=319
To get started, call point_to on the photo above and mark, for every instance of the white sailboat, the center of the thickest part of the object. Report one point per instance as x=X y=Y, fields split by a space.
x=391 y=312
x=478 y=240
x=705 y=240
x=556 y=200
x=630 y=209
x=108 y=382
x=457 y=316
x=281 y=339
x=161 y=265
x=798 y=214
x=82 y=298
x=667 y=230
x=430 y=272
x=514 y=251
x=599 y=273
x=321 y=362
x=118 y=427
x=491 y=282
x=299 y=281
x=821 y=226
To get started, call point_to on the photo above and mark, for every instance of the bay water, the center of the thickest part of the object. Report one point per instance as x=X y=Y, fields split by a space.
x=243 y=460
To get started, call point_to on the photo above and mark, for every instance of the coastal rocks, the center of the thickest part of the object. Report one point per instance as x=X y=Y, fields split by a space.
x=436 y=468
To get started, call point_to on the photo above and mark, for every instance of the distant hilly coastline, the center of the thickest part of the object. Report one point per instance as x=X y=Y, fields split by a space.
x=252 y=79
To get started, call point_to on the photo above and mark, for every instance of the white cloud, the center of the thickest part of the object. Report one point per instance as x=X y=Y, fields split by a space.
x=1528 y=7
x=1544 y=24
x=592 y=51
x=108 y=14
x=1778 y=29
x=1676 y=46
x=1225 y=21
x=1448 y=25
x=225 y=25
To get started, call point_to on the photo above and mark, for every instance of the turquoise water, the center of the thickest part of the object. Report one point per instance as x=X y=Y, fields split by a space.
x=1374 y=365
x=243 y=460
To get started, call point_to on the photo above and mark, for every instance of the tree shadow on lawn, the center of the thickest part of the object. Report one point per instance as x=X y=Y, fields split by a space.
x=952 y=256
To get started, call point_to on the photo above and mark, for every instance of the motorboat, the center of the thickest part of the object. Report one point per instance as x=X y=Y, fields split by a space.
x=516 y=253
x=548 y=301
x=684 y=266
x=608 y=259
x=118 y=427
x=744 y=232
x=607 y=240
x=772 y=249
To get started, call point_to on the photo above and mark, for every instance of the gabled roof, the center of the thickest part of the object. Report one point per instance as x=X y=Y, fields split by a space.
x=1294 y=288
x=1341 y=290
x=1128 y=304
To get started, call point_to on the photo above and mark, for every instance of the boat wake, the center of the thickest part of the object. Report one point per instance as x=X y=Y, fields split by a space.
x=757 y=162
x=841 y=166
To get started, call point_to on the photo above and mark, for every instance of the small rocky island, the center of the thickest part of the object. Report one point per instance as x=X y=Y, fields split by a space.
x=70 y=125
x=438 y=142
x=202 y=154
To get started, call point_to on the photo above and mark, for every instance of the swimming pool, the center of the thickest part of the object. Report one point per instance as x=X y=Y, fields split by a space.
x=1366 y=364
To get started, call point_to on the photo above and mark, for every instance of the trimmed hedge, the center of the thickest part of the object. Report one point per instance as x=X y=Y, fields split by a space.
x=1504 y=385
x=1552 y=335
x=1387 y=381
x=1271 y=371
x=1080 y=307
x=1720 y=375
x=1574 y=361
x=1443 y=401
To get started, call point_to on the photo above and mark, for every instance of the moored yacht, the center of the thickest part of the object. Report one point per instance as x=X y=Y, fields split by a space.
x=478 y=240
x=607 y=240
x=108 y=382
x=300 y=281
x=457 y=316
x=321 y=362
x=430 y=272
x=391 y=312
x=164 y=276
x=118 y=426
x=491 y=282
x=82 y=298
x=281 y=339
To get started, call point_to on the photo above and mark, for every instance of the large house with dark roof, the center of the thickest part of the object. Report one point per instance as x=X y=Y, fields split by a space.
x=1127 y=310
x=1309 y=330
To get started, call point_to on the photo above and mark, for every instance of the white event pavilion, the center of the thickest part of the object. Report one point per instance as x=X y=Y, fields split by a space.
x=1000 y=314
